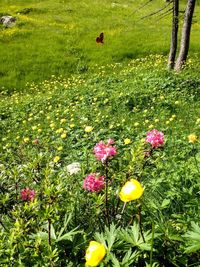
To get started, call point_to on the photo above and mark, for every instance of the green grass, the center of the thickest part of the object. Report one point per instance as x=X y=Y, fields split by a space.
x=125 y=101
x=55 y=80
x=58 y=37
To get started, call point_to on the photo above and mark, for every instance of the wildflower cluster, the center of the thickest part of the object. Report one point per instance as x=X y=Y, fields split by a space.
x=104 y=151
x=94 y=182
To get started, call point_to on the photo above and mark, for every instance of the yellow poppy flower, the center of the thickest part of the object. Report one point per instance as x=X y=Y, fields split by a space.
x=94 y=253
x=131 y=190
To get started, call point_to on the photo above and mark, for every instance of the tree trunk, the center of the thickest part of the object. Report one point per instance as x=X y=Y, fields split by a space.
x=185 y=38
x=174 y=35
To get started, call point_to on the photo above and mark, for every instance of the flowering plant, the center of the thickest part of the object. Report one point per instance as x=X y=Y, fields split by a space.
x=104 y=151
x=93 y=182
x=27 y=194
x=94 y=253
x=155 y=138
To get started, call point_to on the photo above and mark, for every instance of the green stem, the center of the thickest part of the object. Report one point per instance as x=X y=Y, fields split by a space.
x=152 y=242
x=106 y=194
x=140 y=221
x=49 y=231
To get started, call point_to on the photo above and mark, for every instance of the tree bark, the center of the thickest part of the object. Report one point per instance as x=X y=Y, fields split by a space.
x=174 y=35
x=185 y=38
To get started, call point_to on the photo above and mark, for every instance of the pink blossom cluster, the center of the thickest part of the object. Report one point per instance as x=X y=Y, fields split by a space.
x=104 y=151
x=155 y=138
x=94 y=183
x=27 y=194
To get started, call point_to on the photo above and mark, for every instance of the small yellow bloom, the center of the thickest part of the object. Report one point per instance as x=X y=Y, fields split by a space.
x=88 y=129
x=95 y=253
x=63 y=136
x=127 y=141
x=131 y=190
x=151 y=126
x=192 y=138
x=56 y=159
x=26 y=139
x=34 y=128
x=72 y=125
x=63 y=120
x=60 y=148
x=198 y=120
x=52 y=125
x=59 y=130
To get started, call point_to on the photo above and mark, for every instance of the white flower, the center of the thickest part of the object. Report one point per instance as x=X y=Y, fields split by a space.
x=73 y=168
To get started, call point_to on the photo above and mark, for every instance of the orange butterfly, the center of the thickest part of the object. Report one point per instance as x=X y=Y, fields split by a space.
x=99 y=39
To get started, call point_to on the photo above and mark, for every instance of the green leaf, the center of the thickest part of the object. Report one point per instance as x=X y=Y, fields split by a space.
x=193 y=239
x=165 y=203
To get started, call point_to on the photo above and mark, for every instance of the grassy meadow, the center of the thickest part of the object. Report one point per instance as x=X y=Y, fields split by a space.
x=67 y=100
x=58 y=37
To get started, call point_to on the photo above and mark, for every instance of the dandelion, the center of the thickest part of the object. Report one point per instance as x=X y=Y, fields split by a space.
x=27 y=194
x=132 y=190
x=155 y=138
x=94 y=253
x=88 y=129
x=105 y=151
x=192 y=138
x=93 y=182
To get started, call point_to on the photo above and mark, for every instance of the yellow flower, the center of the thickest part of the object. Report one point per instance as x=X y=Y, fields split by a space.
x=198 y=120
x=131 y=190
x=63 y=120
x=72 y=125
x=88 y=129
x=56 y=159
x=59 y=130
x=192 y=138
x=127 y=141
x=34 y=128
x=63 y=136
x=60 y=148
x=26 y=139
x=94 y=253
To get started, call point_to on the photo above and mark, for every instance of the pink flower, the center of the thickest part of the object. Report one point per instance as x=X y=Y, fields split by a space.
x=104 y=151
x=155 y=138
x=93 y=182
x=27 y=194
